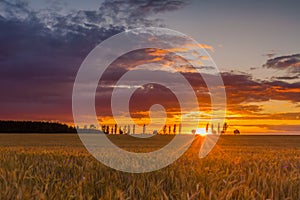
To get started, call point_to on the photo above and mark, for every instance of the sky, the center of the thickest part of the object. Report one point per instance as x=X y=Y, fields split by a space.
x=254 y=44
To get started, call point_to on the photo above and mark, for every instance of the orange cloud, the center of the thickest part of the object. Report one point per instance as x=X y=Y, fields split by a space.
x=204 y=46
x=208 y=47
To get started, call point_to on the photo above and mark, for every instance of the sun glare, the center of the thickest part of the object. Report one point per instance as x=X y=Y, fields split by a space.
x=201 y=131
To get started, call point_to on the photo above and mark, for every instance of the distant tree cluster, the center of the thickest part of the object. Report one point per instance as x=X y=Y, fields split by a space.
x=115 y=129
x=34 y=127
x=131 y=129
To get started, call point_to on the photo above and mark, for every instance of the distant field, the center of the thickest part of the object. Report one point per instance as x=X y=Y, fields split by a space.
x=57 y=166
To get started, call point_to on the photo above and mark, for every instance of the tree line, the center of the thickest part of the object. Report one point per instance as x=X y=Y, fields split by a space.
x=35 y=127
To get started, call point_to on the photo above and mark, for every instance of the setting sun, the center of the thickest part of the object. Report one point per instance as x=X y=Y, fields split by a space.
x=201 y=131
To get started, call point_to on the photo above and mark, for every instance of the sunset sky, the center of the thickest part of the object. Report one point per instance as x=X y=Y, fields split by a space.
x=255 y=45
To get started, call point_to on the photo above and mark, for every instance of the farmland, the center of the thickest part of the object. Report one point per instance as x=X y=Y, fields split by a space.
x=57 y=166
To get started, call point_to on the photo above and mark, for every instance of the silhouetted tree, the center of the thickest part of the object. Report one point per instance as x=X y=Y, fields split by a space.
x=165 y=129
x=116 y=127
x=236 y=132
x=120 y=130
x=207 y=125
x=225 y=126
x=174 y=129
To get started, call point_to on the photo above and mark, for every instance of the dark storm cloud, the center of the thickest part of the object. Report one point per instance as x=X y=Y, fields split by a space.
x=287 y=77
x=242 y=88
x=15 y=9
x=40 y=54
x=289 y=62
x=41 y=51
x=112 y=14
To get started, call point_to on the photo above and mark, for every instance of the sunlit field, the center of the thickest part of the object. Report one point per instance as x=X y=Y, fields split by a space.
x=239 y=167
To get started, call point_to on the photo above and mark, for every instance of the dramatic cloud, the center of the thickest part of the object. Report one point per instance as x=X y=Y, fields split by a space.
x=41 y=50
x=15 y=10
x=288 y=77
x=289 y=62
x=242 y=88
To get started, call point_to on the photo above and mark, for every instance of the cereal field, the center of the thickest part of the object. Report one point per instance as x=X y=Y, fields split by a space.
x=239 y=167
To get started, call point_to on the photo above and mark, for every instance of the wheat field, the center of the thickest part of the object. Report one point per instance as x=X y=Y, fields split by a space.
x=239 y=167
